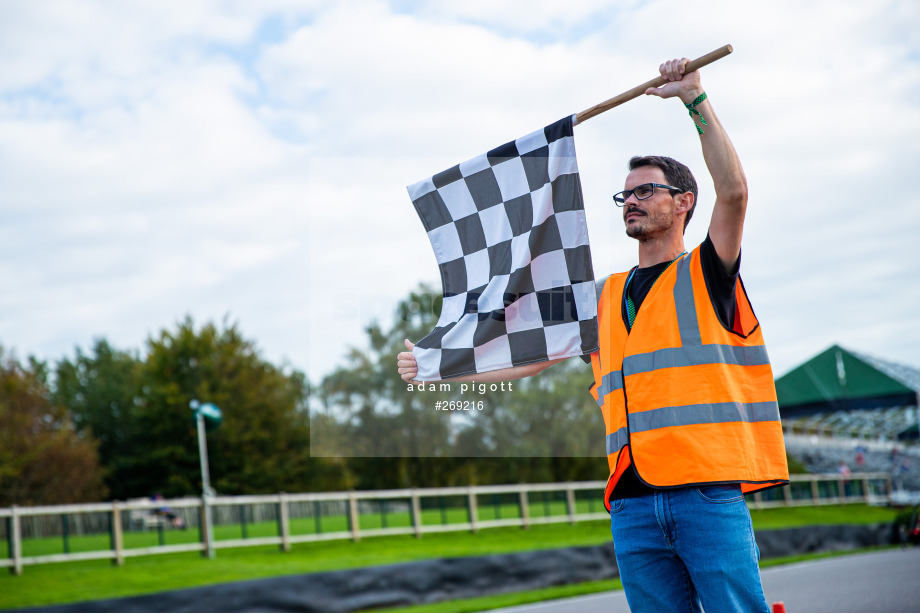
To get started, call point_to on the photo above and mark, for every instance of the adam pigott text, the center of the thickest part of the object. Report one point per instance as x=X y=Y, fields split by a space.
x=471 y=387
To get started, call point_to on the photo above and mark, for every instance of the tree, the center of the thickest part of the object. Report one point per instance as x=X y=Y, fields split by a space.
x=139 y=410
x=263 y=444
x=366 y=415
x=43 y=460
x=104 y=392
x=547 y=428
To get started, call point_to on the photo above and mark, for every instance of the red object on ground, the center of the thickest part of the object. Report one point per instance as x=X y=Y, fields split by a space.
x=779 y=606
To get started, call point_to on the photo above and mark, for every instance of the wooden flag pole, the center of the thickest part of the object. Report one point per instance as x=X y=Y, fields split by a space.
x=658 y=81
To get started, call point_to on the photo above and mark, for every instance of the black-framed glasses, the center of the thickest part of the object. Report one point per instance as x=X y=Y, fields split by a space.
x=642 y=192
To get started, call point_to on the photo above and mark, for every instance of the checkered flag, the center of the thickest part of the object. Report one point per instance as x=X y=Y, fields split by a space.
x=509 y=234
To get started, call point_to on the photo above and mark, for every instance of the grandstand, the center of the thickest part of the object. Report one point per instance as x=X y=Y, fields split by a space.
x=846 y=406
x=886 y=424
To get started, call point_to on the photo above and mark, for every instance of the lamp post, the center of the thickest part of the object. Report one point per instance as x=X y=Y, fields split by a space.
x=207 y=417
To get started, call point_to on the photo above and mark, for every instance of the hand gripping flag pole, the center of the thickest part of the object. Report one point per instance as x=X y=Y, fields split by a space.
x=509 y=234
x=658 y=81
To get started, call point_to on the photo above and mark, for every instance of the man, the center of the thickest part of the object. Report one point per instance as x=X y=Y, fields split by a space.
x=684 y=383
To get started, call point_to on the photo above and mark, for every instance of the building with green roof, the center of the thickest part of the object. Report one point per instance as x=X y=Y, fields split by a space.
x=861 y=386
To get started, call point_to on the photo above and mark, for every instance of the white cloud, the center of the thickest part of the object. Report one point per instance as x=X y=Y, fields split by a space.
x=251 y=158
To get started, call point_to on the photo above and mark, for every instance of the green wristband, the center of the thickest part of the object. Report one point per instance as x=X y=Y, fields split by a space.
x=692 y=108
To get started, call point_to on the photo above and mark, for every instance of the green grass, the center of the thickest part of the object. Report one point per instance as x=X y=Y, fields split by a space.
x=69 y=582
x=779 y=518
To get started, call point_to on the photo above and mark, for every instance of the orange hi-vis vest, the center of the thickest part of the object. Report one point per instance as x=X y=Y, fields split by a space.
x=685 y=400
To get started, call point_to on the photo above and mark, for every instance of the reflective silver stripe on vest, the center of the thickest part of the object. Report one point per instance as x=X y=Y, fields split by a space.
x=714 y=353
x=610 y=382
x=705 y=413
x=687 y=321
x=692 y=351
x=617 y=440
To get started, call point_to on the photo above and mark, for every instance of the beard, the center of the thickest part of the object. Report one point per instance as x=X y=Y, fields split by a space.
x=650 y=225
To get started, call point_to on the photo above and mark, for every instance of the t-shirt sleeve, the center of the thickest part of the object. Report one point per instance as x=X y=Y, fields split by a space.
x=719 y=282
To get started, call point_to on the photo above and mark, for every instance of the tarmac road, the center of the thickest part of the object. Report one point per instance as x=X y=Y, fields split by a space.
x=887 y=581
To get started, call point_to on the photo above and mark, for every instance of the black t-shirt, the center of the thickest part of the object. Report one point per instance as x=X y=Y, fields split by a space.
x=721 y=286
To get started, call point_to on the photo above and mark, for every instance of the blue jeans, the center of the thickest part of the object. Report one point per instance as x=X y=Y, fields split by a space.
x=687 y=549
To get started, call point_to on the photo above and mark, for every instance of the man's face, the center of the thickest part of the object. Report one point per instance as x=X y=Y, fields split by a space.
x=654 y=216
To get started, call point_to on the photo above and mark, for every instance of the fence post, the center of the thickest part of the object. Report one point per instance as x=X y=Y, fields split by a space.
x=16 y=543
x=815 y=494
x=570 y=501
x=842 y=490
x=416 y=513
x=118 y=537
x=353 y=516
x=474 y=514
x=787 y=494
x=525 y=512
x=867 y=491
x=284 y=523
x=207 y=531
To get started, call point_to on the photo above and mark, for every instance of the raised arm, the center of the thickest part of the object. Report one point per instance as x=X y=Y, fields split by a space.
x=408 y=369
x=723 y=163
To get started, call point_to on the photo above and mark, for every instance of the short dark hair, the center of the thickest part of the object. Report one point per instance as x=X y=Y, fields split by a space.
x=675 y=173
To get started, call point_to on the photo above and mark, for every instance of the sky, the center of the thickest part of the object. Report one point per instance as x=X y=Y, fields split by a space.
x=247 y=162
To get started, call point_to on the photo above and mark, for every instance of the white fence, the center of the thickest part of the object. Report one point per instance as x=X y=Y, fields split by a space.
x=119 y=530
